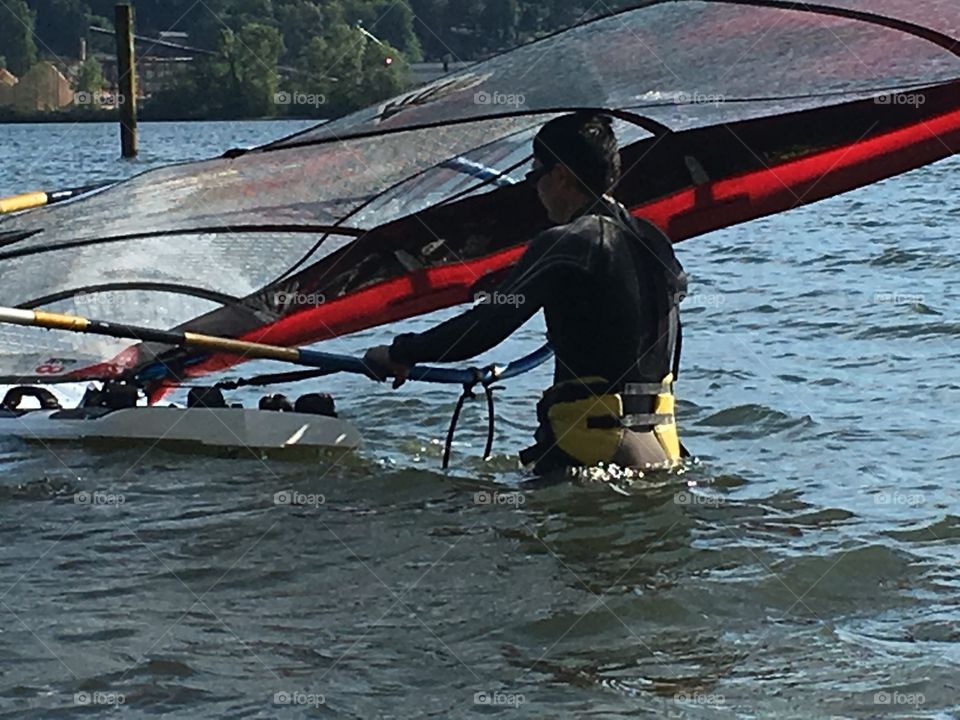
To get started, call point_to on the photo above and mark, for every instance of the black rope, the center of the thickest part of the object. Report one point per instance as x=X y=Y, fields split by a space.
x=468 y=394
x=491 y=419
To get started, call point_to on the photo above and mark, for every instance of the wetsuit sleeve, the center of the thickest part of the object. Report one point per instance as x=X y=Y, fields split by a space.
x=539 y=273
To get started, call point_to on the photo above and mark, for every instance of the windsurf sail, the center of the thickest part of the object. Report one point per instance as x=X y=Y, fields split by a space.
x=726 y=111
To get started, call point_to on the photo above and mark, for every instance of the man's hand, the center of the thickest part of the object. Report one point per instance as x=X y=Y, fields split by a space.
x=378 y=361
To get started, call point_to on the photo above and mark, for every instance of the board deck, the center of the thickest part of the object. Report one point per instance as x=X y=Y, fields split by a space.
x=208 y=427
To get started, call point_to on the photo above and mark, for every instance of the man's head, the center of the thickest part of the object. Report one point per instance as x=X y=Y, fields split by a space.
x=575 y=162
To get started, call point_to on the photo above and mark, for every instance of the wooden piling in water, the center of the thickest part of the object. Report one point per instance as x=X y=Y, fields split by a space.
x=126 y=80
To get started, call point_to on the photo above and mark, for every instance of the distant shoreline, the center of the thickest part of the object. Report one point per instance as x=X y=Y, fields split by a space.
x=10 y=117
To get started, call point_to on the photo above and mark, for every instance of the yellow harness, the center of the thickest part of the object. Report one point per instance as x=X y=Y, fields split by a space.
x=591 y=428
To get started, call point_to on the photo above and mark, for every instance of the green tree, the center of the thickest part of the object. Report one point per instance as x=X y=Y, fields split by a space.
x=562 y=13
x=204 y=23
x=90 y=77
x=16 y=35
x=499 y=21
x=350 y=69
x=462 y=18
x=195 y=92
x=431 y=31
x=331 y=65
x=60 y=25
x=303 y=20
x=384 y=73
x=389 y=21
x=248 y=12
x=202 y=20
x=156 y=16
x=240 y=81
x=254 y=55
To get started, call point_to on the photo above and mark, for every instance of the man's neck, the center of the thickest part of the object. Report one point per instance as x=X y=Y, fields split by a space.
x=585 y=206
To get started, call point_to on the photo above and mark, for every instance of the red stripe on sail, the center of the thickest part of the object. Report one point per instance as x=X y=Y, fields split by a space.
x=730 y=201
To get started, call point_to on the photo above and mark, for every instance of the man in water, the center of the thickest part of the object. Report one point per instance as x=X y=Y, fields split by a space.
x=610 y=287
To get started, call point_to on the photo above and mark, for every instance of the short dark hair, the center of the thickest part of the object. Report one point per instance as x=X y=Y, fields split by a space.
x=585 y=143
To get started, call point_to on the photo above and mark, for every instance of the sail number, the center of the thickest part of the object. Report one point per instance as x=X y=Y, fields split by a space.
x=53 y=366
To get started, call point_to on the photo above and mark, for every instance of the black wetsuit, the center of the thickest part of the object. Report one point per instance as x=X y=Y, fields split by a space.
x=609 y=285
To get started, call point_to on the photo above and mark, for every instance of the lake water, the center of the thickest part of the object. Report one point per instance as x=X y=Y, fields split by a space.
x=805 y=567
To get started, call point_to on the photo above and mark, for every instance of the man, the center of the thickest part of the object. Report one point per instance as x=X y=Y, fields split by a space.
x=610 y=287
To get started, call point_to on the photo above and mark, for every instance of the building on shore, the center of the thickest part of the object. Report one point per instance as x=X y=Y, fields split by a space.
x=41 y=89
x=161 y=61
x=7 y=82
x=153 y=73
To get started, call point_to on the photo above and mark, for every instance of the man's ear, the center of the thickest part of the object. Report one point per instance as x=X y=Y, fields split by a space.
x=567 y=177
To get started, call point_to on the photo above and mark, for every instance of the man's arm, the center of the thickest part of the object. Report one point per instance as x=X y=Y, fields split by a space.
x=541 y=271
